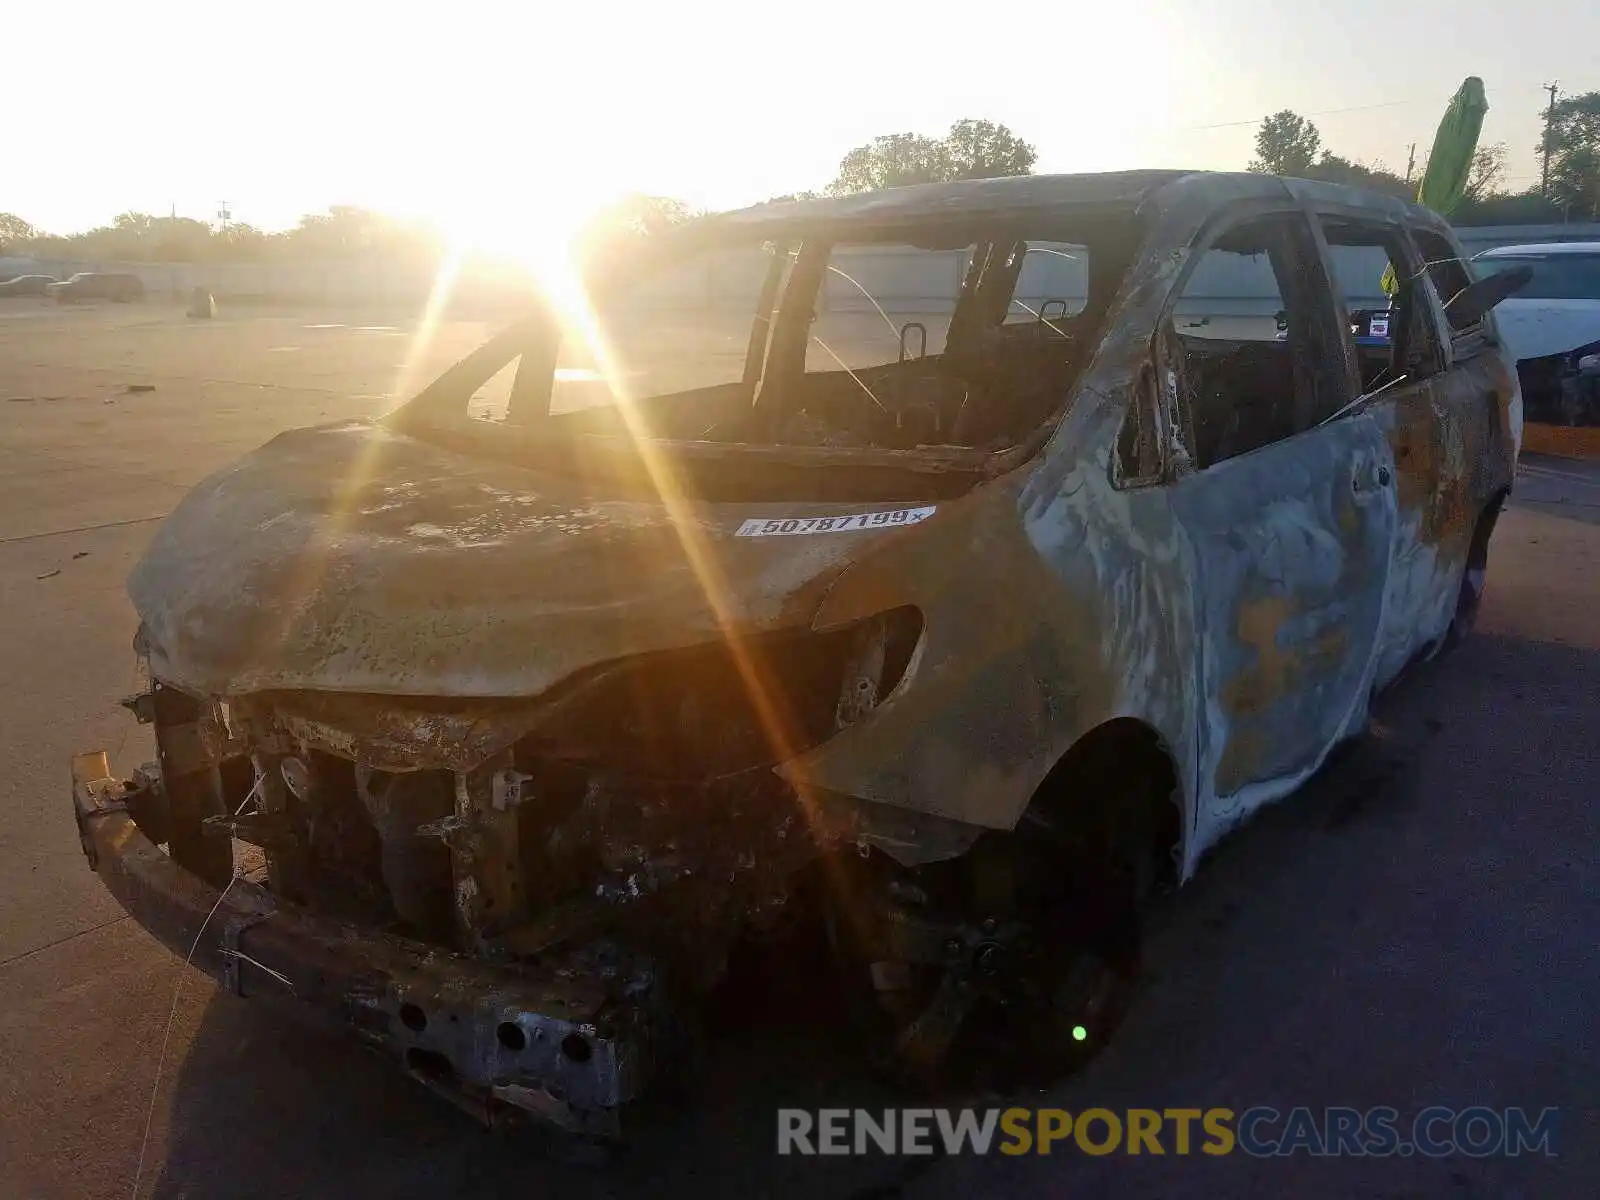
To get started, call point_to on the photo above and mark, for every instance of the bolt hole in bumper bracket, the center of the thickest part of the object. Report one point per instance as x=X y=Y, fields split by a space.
x=555 y=1043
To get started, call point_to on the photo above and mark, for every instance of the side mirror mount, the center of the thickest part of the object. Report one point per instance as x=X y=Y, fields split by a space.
x=1473 y=302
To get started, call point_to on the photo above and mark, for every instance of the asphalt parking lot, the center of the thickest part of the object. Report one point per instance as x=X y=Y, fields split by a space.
x=1420 y=926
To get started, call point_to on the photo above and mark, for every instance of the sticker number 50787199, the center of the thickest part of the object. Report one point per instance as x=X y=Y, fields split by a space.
x=787 y=526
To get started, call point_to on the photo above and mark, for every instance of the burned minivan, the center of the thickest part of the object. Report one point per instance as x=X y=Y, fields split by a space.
x=949 y=566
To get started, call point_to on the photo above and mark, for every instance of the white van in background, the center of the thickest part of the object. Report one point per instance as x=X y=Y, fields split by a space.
x=1559 y=309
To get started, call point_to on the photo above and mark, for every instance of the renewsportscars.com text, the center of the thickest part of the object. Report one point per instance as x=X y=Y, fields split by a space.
x=1261 y=1131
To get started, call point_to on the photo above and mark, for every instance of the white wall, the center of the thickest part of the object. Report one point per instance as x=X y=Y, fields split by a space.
x=311 y=283
x=1477 y=239
x=901 y=279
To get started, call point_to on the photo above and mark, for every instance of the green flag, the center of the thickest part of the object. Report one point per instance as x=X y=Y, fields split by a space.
x=1444 y=181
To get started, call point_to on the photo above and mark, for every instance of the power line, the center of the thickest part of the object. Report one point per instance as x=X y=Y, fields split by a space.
x=1327 y=112
x=1332 y=112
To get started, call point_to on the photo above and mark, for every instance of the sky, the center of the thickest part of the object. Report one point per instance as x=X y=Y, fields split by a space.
x=493 y=117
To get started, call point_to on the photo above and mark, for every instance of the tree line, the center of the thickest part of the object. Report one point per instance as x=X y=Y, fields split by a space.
x=343 y=231
x=1286 y=144
x=1289 y=144
x=972 y=149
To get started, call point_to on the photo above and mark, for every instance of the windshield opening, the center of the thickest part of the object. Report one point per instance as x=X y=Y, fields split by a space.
x=955 y=337
x=1555 y=276
x=681 y=328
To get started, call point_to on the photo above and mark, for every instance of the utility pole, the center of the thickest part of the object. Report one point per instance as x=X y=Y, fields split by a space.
x=1411 y=161
x=1549 y=113
x=223 y=213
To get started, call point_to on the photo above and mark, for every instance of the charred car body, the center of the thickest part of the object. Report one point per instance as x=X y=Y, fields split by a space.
x=964 y=641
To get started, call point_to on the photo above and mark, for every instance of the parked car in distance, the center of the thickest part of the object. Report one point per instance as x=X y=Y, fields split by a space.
x=98 y=285
x=1559 y=308
x=950 y=638
x=26 y=285
x=1551 y=328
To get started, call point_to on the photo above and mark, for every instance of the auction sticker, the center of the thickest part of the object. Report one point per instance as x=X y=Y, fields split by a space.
x=786 y=526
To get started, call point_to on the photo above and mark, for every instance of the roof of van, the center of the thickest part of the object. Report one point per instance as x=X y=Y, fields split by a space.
x=1025 y=195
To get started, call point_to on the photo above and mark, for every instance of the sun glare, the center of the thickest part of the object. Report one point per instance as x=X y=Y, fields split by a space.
x=536 y=234
x=534 y=239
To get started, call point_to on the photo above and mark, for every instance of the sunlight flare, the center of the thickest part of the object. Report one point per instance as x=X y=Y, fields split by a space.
x=563 y=286
x=439 y=295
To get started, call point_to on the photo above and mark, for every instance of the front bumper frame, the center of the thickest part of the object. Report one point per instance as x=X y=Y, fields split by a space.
x=568 y=1043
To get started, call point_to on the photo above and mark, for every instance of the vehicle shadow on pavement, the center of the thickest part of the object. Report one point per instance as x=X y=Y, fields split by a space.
x=1381 y=938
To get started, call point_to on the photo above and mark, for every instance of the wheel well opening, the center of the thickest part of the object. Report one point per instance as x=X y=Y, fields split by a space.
x=1119 y=777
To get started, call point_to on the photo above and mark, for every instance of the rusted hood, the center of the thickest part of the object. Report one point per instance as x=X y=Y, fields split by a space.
x=351 y=557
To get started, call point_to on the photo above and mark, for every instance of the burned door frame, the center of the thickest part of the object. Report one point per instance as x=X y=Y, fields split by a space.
x=1291 y=542
x=1477 y=436
x=1412 y=416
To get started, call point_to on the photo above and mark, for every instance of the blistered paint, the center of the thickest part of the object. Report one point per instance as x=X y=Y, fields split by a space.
x=1454 y=438
x=353 y=558
x=1292 y=544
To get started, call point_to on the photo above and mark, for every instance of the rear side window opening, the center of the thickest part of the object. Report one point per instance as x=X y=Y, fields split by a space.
x=1449 y=275
x=1395 y=337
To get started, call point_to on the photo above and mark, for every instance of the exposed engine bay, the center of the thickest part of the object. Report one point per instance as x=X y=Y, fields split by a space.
x=624 y=834
x=507 y=828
